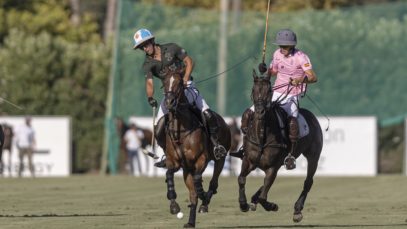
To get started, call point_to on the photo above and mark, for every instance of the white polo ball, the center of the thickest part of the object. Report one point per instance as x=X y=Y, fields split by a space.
x=180 y=215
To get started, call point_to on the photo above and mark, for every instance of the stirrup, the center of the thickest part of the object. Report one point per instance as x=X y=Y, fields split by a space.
x=161 y=164
x=219 y=151
x=289 y=162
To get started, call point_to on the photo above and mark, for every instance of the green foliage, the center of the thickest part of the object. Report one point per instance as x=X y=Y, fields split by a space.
x=51 y=67
x=51 y=16
x=276 y=5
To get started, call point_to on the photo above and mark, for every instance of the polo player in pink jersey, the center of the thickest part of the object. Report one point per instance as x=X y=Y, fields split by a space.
x=292 y=68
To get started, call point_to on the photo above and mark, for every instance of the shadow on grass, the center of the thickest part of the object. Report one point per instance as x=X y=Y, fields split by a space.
x=326 y=226
x=58 y=215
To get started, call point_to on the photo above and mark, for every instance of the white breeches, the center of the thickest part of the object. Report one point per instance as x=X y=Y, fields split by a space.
x=192 y=95
x=289 y=104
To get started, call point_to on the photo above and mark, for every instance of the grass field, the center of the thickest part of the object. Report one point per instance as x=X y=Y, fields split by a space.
x=129 y=202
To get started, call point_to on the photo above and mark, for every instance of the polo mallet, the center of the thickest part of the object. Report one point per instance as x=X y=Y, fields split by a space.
x=12 y=104
x=151 y=154
x=153 y=136
x=265 y=32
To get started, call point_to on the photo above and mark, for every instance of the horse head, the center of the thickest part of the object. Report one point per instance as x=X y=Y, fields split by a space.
x=173 y=89
x=261 y=94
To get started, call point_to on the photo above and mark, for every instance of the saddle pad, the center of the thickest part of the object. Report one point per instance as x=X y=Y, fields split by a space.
x=302 y=125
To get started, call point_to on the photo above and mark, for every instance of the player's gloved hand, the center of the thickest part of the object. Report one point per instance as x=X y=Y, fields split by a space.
x=262 y=68
x=152 y=102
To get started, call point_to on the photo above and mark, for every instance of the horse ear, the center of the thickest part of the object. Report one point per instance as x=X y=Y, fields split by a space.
x=254 y=74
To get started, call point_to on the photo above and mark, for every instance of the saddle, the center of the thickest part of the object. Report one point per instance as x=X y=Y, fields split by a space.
x=283 y=123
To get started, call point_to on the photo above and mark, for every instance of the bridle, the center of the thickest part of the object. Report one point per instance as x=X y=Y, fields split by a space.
x=263 y=105
x=172 y=98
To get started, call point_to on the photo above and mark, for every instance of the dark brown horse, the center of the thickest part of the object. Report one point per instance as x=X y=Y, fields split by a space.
x=265 y=147
x=188 y=146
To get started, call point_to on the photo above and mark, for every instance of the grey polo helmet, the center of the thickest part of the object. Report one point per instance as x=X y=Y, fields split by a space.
x=286 y=37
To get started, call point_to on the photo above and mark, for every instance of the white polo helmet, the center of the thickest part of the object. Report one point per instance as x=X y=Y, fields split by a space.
x=141 y=36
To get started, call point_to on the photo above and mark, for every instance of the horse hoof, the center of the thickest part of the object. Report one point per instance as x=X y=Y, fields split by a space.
x=274 y=207
x=188 y=225
x=244 y=207
x=297 y=217
x=203 y=209
x=174 y=208
x=253 y=206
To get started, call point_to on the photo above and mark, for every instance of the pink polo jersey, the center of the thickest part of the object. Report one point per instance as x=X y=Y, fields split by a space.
x=292 y=66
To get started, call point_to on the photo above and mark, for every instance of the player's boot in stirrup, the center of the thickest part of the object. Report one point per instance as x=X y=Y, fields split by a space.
x=289 y=161
x=219 y=150
x=244 y=125
x=161 y=164
x=239 y=153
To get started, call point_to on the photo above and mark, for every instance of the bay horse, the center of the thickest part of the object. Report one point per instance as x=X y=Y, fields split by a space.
x=265 y=147
x=188 y=146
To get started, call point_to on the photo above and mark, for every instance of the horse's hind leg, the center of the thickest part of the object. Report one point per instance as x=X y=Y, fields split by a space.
x=271 y=174
x=299 y=204
x=171 y=194
x=213 y=185
x=255 y=199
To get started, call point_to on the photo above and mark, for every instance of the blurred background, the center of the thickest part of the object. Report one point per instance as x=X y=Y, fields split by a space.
x=74 y=59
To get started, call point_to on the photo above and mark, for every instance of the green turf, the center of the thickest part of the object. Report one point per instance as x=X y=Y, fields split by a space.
x=129 y=202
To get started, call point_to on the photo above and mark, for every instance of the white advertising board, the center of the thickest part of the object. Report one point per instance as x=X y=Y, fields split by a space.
x=350 y=149
x=52 y=153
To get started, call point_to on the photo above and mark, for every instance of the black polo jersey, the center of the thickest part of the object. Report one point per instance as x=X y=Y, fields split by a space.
x=172 y=57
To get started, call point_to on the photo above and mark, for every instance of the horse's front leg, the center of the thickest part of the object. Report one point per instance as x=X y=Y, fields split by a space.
x=213 y=185
x=171 y=194
x=299 y=204
x=271 y=174
x=246 y=168
x=193 y=198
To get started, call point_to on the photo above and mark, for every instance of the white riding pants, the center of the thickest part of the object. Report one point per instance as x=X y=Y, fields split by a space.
x=289 y=103
x=192 y=95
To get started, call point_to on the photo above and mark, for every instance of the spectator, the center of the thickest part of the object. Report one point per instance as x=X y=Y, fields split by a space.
x=7 y=146
x=25 y=140
x=133 y=138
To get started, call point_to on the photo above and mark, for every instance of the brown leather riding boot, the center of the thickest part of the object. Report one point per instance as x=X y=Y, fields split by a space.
x=247 y=115
x=289 y=161
x=293 y=129
x=219 y=150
